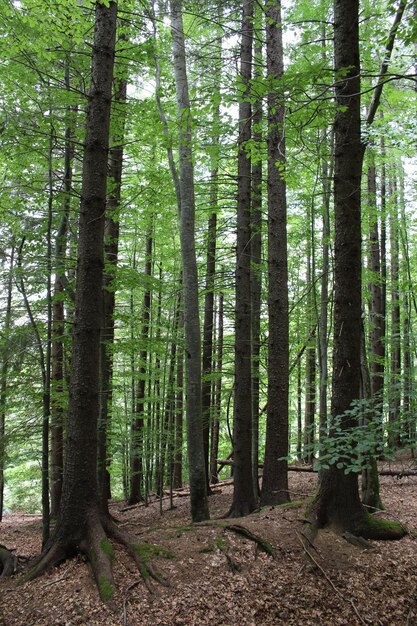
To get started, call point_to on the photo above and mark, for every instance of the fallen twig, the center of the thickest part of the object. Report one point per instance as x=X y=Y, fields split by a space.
x=329 y=580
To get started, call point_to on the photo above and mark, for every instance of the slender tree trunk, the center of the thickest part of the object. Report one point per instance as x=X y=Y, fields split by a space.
x=58 y=325
x=256 y=265
x=244 y=500
x=111 y=251
x=395 y=342
x=179 y=409
x=322 y=343
x=4 y=376
x=218 y=394
x=198 y=481
x=310 y=373
x=137 y=431
x=275 y=476
x=208 y=324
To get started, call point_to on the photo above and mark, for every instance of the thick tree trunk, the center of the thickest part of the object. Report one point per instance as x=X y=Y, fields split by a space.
x=80 y=527
x=198 y=481
x=275 y=476
x=338 y=502
x=244 y=500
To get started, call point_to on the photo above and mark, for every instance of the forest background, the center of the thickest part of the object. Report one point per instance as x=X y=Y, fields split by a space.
x=257 y=124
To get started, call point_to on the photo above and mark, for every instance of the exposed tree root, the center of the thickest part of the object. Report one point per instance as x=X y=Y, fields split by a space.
x=8 y=562
x=95 y=545
x=245 y=532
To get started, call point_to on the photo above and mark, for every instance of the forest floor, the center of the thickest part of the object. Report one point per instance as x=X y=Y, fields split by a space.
x=220 y=578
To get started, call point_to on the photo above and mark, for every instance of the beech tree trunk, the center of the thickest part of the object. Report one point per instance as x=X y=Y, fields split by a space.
x=196 y=459
x=244 y=500
x=275 y=476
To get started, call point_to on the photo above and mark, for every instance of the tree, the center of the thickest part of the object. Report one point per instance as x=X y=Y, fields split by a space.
x=244 y=500
x=275 y=479
x=81 y=525
x=337 y=501
x=198 y=481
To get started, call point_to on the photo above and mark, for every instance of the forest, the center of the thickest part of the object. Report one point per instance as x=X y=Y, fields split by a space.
x=207 y=351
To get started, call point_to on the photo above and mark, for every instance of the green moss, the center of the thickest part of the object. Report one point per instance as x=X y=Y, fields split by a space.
x=105 y=588
x=389 y=528
x=221 y=543
x=106 y=546
x=146 y=551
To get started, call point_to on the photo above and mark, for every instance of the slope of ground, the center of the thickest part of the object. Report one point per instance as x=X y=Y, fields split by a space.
x=220 y=578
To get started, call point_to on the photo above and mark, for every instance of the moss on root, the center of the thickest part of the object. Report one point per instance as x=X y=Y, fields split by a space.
x=105 y=588
x=107 y=548
x=379 y=528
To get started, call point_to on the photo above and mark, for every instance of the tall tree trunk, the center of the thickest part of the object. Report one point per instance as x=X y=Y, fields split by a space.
x=275 y=475
x=111 y=251
x=395 y=342
x=244 y=500
x=5 y=355
x=370 y=482
x=198 y=481
x=322 y=344
x=58 y=324
x=217 y=394
x=208 y=324
x=179 y=409
x=337 y=502
x=79 y=527
x=137 y=431
x=256 y=263
x=310 y=373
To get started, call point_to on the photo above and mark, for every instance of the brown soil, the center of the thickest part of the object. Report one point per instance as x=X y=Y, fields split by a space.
x=219 y=578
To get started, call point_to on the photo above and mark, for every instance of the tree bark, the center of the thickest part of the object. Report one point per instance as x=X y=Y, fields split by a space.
x=244 y=500
x=137 y=430
x=275 y=476
x=337 y=502
x=111 y=251
x=5 y=355
x=198 y=480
